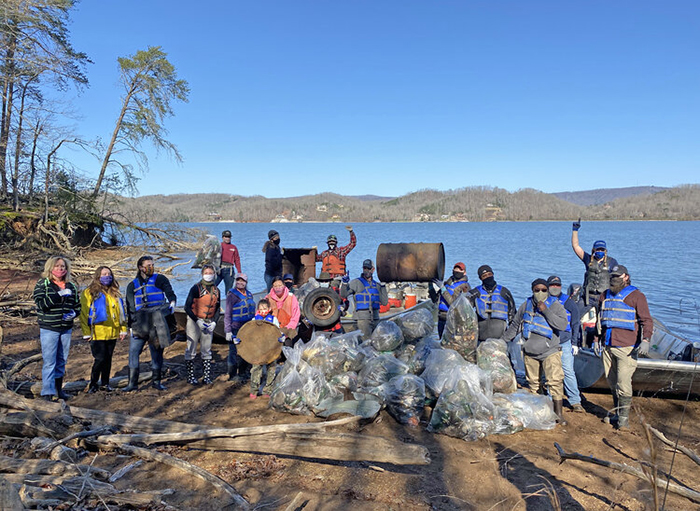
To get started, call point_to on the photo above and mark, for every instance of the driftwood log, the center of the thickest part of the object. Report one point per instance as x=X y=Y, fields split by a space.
x=49 y=467
x=79 y=386
x=688 y=452
x=10 y=499
x=678 y=489
x=23 y=424
x=57 y=452
x=199 y=472
x=79 y=434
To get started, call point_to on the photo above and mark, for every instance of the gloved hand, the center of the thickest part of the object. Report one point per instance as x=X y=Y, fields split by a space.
x=229 y=337
x=86 y=337
x=574 y=350
x=65 y=292
x=122 y=335
x=349 y=227
x=236 y=340
x=70 y=315
x=597 y=348
x=209 y=327
x=644 y=347
x=576 y=225
x=172 y=306
x=281 y=338
x=202 y=325
x=345 y=279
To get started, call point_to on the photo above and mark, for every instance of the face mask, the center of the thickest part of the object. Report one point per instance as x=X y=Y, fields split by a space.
x=617 y=284
x=331 y=246
x=59 y=273
x=106 y=280
x=457 y=275
x=208 y=277
x=489 y=282
x=367 y=274
x=289 y=285
x=149 y=271
x=276 y=241
x=540 y=296
x=555 y=291
x=599 y=254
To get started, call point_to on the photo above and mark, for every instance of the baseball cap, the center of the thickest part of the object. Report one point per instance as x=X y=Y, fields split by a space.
x=461 y=266
x=367 y=263
x=226 y=234
x=554 y=281
x=324 y=276
x=600 y=244
x=287 y=276
x=619 y=270
x=332 y=237
x=242 y=276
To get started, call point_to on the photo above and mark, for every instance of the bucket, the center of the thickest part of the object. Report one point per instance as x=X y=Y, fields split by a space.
x=394 y=303
x=384 y=308
x=410 y=262
x=409 y=300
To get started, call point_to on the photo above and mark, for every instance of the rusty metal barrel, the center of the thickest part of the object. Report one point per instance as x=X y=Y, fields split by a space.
x=410 y=262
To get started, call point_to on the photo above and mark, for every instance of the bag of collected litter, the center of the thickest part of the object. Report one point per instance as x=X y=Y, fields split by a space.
x=415 y=324
x=464 y=409
x=421 y=351
x=316 y=388
x=492 y=357
x=387 y=336
x=288 y=395
x=320 y=352
x=535 y=411
x=294 y=361
x=404 y=397
x=210 y=253
x=379 y=370
x=461 y=329
x=437 y=369
x=344 y=382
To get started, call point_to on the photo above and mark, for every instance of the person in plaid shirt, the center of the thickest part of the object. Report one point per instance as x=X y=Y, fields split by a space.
x=333 y=259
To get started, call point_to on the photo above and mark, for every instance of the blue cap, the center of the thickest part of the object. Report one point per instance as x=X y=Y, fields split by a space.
x=287 y=276
x=600 y=244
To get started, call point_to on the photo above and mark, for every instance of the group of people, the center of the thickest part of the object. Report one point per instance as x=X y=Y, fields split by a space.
x=549 y=321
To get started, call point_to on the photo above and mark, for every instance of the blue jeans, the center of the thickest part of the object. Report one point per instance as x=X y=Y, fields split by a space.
x=136 y=347
x=570 y=383
x=268 y=280
x=235 y=363
x=227 y=274
x=54 y=351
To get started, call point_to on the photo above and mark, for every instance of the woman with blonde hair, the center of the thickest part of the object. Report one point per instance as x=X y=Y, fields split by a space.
x=57 y=303
x=103 y=321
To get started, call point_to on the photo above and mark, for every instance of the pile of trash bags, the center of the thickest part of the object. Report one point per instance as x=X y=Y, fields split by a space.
x=210 y=253
x=462 y=329
x=405 y=369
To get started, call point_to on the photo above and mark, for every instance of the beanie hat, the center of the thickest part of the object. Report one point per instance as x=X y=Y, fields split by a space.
x=537 y=282
x=271 y=234
x=483 y=269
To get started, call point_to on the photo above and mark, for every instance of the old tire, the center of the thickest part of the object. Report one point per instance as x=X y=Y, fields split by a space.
x=321 y=307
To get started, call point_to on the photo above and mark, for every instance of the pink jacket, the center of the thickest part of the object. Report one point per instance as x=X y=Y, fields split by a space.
x=285 y=308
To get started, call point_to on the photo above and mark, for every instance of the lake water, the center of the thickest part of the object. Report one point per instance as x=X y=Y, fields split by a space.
x=663 y=257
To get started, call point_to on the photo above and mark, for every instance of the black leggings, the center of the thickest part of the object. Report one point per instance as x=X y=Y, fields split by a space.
x=102 y=351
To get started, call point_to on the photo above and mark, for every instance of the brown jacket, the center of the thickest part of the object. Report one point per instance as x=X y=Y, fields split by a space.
x=621 y=337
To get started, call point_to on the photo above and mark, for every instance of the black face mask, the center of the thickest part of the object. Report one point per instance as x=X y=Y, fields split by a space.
x=367 y=274
x=457 y=275
x=276 y=241
x=289 y=285
x=617 y=284
x=489 y=283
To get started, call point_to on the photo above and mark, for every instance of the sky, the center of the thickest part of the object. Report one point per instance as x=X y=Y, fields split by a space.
x=386 y=97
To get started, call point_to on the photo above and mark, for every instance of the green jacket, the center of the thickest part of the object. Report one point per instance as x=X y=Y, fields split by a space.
x=51 y=307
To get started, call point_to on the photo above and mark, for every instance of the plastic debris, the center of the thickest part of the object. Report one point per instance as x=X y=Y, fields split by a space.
x=380 y=370
x=438 y=366
x=534 y=410
x=415 y=324
x=404 y=397
x=461 y=329
x=492 y=357
x=210 y=253
x=387 y=336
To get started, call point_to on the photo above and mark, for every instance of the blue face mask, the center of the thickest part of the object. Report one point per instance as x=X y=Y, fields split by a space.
x=599 y=254
x=106 y=280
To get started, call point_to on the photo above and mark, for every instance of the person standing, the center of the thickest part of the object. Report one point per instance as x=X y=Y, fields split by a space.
x=150 y=303
x=240 y=308
x=103 y=321
x=273 y=258
x=569 y=341
x=626 y=326
x=541 y=319
x=598 y=265
x=230 y=262
x=57 y=305
x=263 y=313
x=203 y=311
x=285 y=307
x=494 y=304
x=333 y=259
x=369 y=296
x=449 y=291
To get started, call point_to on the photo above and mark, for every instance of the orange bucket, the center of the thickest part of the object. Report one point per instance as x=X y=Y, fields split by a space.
x=394 y=303
x=409 y=300
x=384 y=308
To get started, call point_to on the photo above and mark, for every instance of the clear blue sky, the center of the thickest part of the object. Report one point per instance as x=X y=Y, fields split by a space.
x=388 y=97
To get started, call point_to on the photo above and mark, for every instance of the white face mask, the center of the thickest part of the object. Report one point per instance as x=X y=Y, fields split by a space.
x=208 y=277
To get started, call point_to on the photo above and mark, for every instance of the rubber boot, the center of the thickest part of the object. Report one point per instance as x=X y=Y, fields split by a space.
x=612 y=416
x=623 y=421
x=156 y=380
x=189 y=364
x=207 y=372
x=133 y=380
x=232 y=372
x=559 y=410
x=59 y=389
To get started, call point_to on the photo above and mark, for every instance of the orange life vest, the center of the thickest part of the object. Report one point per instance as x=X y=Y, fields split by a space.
x=205 y=306
x=283 y=315
x=333 y=265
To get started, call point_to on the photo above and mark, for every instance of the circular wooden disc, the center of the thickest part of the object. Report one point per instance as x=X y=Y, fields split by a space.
x=259 y=344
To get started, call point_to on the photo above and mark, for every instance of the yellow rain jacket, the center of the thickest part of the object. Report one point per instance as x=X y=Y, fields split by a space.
x=114 y=312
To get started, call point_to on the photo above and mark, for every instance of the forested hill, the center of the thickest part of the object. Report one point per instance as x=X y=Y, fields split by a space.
x=603 y=195
x=473 y=204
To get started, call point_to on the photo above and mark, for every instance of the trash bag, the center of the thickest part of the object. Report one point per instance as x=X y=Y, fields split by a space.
x=415 y=324
x=461 y=329
x=288 y=395
x=438 y=365
x=294 y=361
x=365 y=408
x=344 y=382
x=316 y=389
x=328 y=357
x=404 y=397
x=387 y=336
x=379 y=370
x=463 y=410
x=210 y=253
x=355 y=356
x=421 y=351
x=535 y=411
x=492 y=357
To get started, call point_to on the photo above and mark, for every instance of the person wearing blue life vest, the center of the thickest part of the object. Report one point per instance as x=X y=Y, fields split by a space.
x=625 y=327
x=150 y=303
x=446 y=293
x=369 y=296
x=240 y=308
x=493 y=303
x=541 y=319
x=570 y=342
x=598 y=264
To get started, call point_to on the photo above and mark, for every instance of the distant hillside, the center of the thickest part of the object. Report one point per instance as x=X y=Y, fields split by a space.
x=603 y=195
x=474 y=204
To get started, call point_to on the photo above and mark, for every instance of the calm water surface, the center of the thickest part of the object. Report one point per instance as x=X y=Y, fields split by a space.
x=662 y=257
